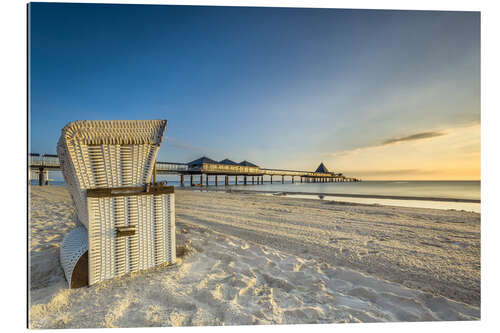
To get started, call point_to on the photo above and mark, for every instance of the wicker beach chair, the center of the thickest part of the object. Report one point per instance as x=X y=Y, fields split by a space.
x=126 y=222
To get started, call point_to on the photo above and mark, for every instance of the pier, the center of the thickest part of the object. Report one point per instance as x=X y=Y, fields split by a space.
x=205 y=171
x=41 y=165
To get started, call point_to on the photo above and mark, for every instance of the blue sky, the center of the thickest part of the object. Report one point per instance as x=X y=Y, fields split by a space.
x=281 y=87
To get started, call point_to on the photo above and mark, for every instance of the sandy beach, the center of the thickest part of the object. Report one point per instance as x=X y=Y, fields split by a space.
x=255 y=259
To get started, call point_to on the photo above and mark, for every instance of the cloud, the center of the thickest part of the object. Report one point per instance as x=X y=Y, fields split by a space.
x=393 y=172
x=345 y=152
x=181 y=145
x=413 y=137
x=201 y=151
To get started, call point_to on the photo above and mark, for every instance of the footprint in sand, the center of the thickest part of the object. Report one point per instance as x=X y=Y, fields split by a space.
x=337 y=239
x=430 y=244
x=447 y=240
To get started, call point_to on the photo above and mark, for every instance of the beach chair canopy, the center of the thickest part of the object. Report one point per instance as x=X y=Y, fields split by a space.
x=110 y=153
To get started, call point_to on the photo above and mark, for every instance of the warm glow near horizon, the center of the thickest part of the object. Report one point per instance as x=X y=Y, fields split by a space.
x=454 y=155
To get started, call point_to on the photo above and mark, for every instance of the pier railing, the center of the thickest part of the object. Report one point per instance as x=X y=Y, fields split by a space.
x=280 y=172
x=46 y=160
x=171 y=167
x=230 y=169
x=34 y=159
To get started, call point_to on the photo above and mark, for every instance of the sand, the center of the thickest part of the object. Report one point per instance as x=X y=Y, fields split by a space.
x=255 y=259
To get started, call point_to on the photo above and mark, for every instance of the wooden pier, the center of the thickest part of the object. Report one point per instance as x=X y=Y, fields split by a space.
x=41 y=165
x=205 y=171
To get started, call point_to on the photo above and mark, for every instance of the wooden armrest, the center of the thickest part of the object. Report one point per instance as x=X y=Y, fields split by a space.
x=125 y=231
x=148 y=189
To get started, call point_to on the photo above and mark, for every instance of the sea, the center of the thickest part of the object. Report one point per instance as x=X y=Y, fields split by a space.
x=457 y=195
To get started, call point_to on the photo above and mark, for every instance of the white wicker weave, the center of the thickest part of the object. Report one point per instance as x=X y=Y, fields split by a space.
x=74 y=245
x=114 y=154
x=151 y=245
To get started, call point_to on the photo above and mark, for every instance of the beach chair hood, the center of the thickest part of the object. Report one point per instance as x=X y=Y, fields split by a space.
x=109 y=153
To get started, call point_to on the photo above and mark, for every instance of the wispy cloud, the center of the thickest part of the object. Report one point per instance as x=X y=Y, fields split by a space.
x=392 y=172
x=198 y=150
x=185 y=146
x=413 y=137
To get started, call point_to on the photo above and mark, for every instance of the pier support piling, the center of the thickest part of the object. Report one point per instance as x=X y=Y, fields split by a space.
x=182 y=180
x=41 y=177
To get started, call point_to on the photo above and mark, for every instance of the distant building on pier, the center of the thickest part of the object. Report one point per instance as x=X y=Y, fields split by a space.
x=322 y=169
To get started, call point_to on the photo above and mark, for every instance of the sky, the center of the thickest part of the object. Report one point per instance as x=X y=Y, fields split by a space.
x=374 y=94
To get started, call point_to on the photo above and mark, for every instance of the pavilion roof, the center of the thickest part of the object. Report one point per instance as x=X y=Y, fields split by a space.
x=202 y=160
x=322 y=168
x=246 y=163
x=228 y=161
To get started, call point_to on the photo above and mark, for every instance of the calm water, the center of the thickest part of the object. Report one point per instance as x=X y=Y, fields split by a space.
x=426 y=189
x=423 y=189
